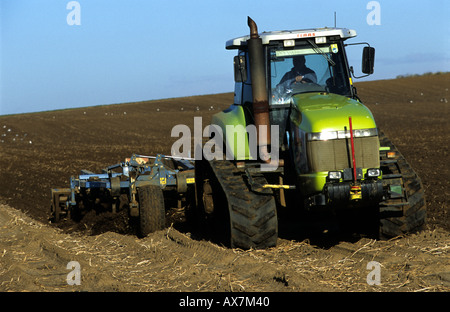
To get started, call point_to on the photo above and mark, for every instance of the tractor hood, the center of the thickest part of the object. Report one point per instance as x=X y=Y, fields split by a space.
x=318 y=112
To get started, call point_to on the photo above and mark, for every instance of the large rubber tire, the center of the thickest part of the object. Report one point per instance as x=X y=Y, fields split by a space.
x=414 y=214
x=151 y=210
x=251 y=218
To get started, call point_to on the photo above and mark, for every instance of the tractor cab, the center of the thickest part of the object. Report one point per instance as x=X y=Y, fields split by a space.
x=317 y=55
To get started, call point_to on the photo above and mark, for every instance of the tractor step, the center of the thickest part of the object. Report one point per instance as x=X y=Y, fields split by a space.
x=392 y=176
x=388 y=161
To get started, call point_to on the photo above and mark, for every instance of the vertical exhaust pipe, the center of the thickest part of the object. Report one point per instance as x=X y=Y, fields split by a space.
x=260 y=98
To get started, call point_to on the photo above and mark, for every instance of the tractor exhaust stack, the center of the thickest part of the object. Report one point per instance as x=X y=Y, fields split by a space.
x=260 y=98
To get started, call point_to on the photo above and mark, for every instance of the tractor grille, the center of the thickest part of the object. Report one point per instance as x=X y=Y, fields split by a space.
x=333 y=155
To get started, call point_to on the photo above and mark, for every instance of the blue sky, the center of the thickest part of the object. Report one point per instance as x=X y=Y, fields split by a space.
x=136 y=50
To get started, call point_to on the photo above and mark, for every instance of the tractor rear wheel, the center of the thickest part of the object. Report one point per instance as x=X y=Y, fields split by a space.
x=151 y=209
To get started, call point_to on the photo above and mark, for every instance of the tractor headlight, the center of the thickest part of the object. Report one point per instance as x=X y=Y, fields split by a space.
x=320 y=40
x=289 y=43
x=334 y=175
x=373 y=172
x=341 y=134
x=323 y=136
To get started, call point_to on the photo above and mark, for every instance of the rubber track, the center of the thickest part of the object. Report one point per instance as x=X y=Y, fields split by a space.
x=414 y=214
x=253 y=216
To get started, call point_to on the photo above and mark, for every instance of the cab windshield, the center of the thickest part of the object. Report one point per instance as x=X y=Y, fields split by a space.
x=307 y=67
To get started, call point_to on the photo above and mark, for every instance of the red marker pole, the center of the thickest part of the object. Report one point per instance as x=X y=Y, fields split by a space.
x=353 y=148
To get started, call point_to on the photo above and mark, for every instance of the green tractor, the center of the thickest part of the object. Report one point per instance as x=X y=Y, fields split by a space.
x=297 y=137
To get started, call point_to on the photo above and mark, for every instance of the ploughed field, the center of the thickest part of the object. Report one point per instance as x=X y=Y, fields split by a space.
x=40 y=151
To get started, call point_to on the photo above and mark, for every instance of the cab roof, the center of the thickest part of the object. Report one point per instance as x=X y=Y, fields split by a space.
x=267 y=37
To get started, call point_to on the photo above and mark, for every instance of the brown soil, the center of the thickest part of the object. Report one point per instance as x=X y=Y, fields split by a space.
x=41 y=151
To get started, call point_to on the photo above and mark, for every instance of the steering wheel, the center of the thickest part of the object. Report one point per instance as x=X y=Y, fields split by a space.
x=302 y=86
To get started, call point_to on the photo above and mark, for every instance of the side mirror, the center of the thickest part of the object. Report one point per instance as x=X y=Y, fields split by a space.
x=368 y=60
x=240 y=68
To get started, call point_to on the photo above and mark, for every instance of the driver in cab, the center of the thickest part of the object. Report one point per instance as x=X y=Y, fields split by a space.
x=299 y=73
